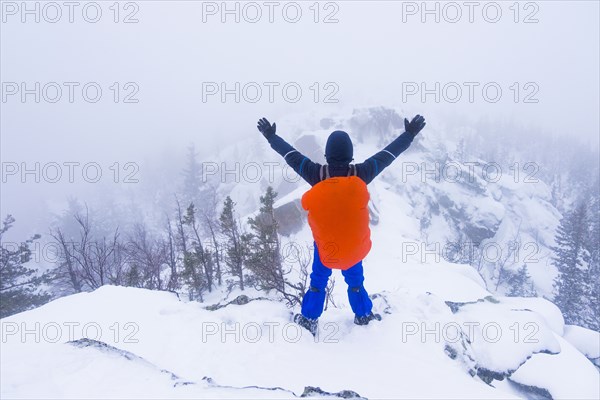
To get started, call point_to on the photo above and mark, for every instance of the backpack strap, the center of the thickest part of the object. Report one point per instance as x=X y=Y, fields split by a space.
x=352 y=170
x=324 y=174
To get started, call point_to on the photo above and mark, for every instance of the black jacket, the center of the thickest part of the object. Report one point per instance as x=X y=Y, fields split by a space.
x=367 y=170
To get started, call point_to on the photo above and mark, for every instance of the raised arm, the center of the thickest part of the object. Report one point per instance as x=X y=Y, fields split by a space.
x=303 y=166
x=373 y=166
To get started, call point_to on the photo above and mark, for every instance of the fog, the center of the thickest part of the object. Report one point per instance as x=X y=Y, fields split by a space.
x=169 y=66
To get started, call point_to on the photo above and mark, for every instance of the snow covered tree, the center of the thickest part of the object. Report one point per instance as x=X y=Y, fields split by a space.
x=198 y=271
x=461 y=150
x=264 y=257
x=520 y=284
x=19 y=285
x=211 y=225
x=571 y=258
x=592 y=316
x=133 y=277
x=271 y=263
x=507 y=258
x=189 y=269
x=234 y=247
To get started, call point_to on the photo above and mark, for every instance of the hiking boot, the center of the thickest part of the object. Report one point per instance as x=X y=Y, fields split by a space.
x=364 y=320
x=310 y=325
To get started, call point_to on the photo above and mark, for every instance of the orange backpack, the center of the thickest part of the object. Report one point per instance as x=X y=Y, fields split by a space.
x=339 y=219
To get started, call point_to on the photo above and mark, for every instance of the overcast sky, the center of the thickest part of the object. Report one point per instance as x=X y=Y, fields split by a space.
x=358 y=53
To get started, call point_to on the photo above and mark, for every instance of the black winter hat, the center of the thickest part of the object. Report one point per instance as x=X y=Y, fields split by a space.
x=339 y=149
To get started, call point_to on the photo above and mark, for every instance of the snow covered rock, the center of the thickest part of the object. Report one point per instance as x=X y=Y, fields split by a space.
x=585 y=340
x=566 y=375
x=126 y=342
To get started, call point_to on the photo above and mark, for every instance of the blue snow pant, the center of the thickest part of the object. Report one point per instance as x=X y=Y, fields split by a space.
x=314 y=299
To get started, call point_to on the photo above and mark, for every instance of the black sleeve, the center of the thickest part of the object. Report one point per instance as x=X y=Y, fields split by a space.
x=303 y=166
x=373 y=166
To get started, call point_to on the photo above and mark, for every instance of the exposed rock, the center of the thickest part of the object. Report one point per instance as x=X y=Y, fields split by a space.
x=455 y=306
x=310 y=391
x=380 y=122
x=106 y=348
x=532 y=392
x=310 y=147
x=239 y=301
x=290 y=218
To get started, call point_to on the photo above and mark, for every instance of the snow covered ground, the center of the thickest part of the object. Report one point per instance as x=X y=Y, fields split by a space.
x=442 y=336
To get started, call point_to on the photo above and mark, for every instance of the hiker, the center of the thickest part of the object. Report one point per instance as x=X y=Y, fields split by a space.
x=338 y=214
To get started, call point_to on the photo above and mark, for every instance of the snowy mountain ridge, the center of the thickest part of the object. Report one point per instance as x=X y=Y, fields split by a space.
x=494 y=214
x=447 y=331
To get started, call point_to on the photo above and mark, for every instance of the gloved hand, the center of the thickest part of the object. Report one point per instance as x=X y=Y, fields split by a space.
x=266 y=128
x=413 y=127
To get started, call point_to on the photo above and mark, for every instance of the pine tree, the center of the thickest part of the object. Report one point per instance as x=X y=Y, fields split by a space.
x=192 y=177
x=199 y=270
x=133 y=277
x=571 y=259
x=210 y=223
x=264 y=258
x=592 y=316
x=520 y=284
x=191 y=273
x=19 y=285
x=461 y=150
x=235 y=242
